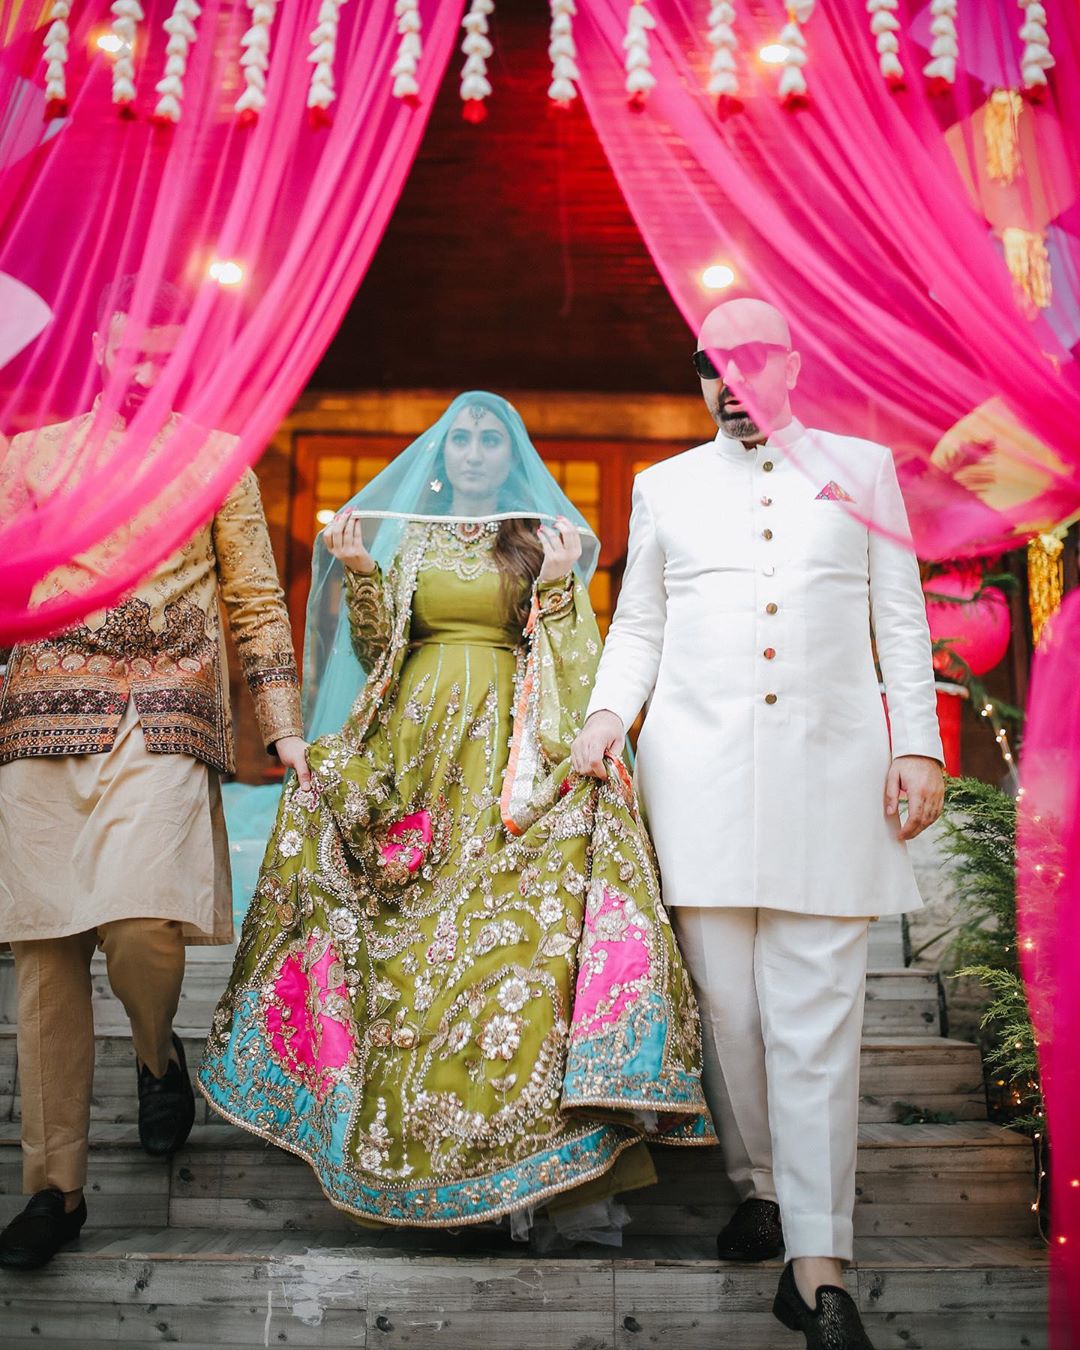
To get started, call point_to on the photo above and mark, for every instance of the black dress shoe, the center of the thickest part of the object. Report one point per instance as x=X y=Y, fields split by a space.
x=166 y=1106
x=834 y=1324
x=37 y=1234
x=753 y=1233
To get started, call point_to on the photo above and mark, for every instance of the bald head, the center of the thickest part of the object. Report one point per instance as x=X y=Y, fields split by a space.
x=745 y=320
x=751 y=369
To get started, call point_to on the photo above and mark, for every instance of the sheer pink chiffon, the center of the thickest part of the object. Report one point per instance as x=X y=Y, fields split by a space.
x=296 y=211
x=870 y=218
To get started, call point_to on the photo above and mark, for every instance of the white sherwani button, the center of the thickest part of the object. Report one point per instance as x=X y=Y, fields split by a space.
x=770 y=698
x=767 y=467
x=771 y=607
x=769 y=653
x=768 y=571
x=766 y=534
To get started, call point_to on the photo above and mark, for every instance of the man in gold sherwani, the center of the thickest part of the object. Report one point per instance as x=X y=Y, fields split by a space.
x=112 y=739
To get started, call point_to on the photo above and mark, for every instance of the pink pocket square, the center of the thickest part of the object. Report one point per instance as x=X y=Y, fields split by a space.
x=833 y=492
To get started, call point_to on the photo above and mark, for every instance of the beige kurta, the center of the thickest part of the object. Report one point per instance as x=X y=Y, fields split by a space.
x=122 y=834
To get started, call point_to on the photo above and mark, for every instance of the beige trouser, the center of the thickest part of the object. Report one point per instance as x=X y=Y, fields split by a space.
x=145 y=962
x=781 y=998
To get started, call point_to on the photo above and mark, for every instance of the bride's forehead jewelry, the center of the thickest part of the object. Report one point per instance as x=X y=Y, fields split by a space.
x=477 y=412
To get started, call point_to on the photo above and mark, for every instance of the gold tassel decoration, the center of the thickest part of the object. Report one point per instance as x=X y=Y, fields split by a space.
x=1029 y=262
x=1046 y=579
x=1001 y=130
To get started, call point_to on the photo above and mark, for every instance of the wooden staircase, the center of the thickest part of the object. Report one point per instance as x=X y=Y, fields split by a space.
x=231 y=1242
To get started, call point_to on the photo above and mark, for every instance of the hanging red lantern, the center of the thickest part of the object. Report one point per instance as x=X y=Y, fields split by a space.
x=972 y=619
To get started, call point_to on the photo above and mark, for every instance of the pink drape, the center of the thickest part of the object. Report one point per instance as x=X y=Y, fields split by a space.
x=1049 y=932
x=298 y=210
x=868 y=220
x=854 y=218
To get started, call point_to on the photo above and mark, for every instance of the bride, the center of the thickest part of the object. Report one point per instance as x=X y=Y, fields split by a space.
x=456 y=993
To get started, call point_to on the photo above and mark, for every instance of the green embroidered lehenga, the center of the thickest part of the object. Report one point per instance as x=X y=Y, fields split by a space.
x=457 y=993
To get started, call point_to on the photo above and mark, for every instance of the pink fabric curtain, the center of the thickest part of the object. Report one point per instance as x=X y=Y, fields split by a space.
x=872 y=220
x=287 y=215
x=1049 y=928
x=856 y=218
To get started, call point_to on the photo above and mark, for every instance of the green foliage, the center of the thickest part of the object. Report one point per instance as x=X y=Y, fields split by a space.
x=907 y=1114
x=979 y=838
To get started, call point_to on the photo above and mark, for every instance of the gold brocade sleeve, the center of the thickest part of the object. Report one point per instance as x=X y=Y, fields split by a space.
x=369 y=616
x=568 y=652
x=255 y=604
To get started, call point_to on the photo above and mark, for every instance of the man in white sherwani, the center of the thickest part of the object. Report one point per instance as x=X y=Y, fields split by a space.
x=763 y=568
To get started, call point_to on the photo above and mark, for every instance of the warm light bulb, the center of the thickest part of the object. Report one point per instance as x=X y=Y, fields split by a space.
x=111 y=43
x=226 y=272
x=775 y=54
x=718 y=277
x=325 y=516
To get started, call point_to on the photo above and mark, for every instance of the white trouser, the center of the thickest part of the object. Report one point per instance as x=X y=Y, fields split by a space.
x=781 y=999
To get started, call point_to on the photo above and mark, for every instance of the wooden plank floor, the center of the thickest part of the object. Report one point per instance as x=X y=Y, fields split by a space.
x=310 y=1289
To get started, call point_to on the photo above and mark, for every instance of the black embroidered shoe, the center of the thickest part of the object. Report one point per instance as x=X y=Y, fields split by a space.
x=753 y=1233
x=34 y=1237
x=834 y=1324
x=166 y=1106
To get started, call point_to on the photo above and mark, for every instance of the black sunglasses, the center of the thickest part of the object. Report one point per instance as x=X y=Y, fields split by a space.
x=750 y=356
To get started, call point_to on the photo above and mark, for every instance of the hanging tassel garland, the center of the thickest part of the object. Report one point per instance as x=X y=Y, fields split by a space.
x=410 y=49
x=640 y=80
x=884 y=26
x=321 y=91
x=1036 y=58
x=723 y=70
x=475 y=87
x=255 y=61
x=793 y=88
x=1001 y=131
x=1046 y=579
x=940 y=71
x=57 y=40
x=563 y=54
x=127 y=14
x=1029 y=262
x=180 y=26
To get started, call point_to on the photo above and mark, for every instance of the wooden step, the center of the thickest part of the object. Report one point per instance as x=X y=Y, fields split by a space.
x=913 y=1181
x=898 y=1002
x=932 y=1073
x=427 y=1292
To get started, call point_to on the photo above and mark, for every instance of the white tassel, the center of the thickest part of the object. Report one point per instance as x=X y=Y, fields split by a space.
x=255 y=59
x=475 y=87
x=884 y=26
x=940 y=70
x=180 y=27
x=562 y=53
x=127 y=14
x=723 y=69
x=1036 y=58
x=321 y=91
x=793 y=88
x=640 y=81
x=410 y=48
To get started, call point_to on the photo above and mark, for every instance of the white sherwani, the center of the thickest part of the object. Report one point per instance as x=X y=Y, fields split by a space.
x=745 y=619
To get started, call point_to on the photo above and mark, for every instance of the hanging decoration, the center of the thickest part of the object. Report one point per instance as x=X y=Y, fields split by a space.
x=944 y=47
x=475 y=87
x=1036 y=58
x=57 y=38
x=639 y=77
x=255 y=60
x=793 y=90
x=1001 y=130
x=410 y=49
x=563 y=53
x=126 y=16
x=321 y=91
x=1028 y=260
x=1046 y=579
x=723 y=72
x=180 y=26
x=884 y=26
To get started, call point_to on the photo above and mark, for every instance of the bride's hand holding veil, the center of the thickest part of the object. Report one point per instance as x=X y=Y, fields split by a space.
x=562 y=548
x=345 y=541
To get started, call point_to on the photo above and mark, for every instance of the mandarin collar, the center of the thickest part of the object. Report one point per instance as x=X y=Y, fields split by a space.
x=778 y=441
